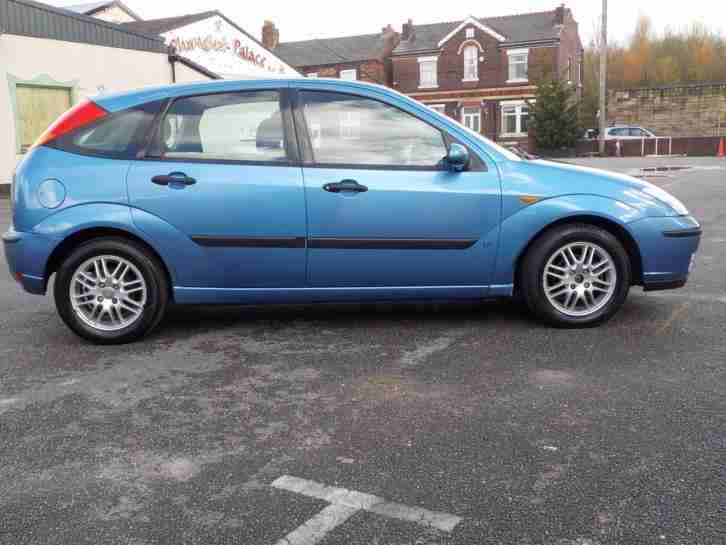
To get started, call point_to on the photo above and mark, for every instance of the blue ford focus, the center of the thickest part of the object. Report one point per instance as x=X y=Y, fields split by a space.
x=297 y=191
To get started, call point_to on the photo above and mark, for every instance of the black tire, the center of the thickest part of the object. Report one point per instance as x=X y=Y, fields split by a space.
x=532 y=283
x=157 y=289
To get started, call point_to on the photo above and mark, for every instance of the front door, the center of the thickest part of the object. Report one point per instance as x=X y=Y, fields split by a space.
x=221 y=174
x=382 y=209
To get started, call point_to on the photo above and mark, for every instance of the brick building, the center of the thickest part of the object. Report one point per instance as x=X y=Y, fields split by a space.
x=365 y=57
x=484 y=71
x=480 y=71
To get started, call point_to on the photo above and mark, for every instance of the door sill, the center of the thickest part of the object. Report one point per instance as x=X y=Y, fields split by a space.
x=191 y=295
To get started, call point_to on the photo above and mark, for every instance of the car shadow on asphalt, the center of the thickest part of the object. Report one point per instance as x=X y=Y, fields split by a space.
x=190 y=318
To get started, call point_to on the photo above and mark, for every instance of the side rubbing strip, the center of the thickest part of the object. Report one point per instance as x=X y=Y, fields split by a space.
x=684 y=233
x=391 y=243
x=250 y=242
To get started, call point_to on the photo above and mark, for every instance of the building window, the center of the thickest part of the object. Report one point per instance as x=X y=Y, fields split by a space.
x=569 y=69
x=518 y=65
x=312 y=74
x=471 y=63
x=471 y=117
x=428 y=68
x=515 y=119
x=37 y=107
x=469 y=32
x=441 y=108
x=350 y=75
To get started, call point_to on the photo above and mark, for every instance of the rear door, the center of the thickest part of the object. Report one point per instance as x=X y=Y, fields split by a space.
x=382 y=208
x=223 y=171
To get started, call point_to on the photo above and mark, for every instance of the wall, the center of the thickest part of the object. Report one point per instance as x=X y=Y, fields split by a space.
x=225 y=50
x=113 y=14
x=373 y=71
x=570 y=47
x=493 y=70
x=693 y=110
x=88 y=69
x=184 y=74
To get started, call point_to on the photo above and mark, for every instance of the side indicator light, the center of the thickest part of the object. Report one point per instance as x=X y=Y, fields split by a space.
x=528 y=199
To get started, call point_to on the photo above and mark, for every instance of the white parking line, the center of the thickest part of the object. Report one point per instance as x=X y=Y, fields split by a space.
x=345 y=503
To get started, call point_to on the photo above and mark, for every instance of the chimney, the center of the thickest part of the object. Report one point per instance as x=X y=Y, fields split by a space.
x=270 y=35
x=407 y=32
x=560 y=13
x=391 y=39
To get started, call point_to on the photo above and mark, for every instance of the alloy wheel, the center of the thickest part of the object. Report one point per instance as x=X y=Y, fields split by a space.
x=108 y=292
x=579 y=279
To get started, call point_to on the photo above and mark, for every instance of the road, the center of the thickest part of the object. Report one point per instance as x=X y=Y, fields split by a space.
x=508 y=431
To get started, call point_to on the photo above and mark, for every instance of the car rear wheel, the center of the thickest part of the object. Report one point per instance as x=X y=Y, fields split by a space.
x=576 y=276
x=111 y=291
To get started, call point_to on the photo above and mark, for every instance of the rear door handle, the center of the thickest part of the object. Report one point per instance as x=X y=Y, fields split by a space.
x=345 y=186
x=173 y=178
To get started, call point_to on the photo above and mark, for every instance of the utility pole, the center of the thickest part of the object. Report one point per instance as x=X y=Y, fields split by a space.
x=603 y=75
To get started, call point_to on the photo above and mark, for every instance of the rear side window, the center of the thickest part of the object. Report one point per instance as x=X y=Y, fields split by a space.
x=120 y=135
x=242 y=126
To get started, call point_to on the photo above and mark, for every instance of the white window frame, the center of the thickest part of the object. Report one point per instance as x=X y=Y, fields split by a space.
x=311 y=75
x=465 y=116
x=470 y=32
x=441 y=108
x=345 y=74
x=475 y=76
x=434 y=83
x=517 y=105
x=517 y=52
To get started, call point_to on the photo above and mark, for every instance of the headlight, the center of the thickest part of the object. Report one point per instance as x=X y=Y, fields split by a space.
x=665 y=197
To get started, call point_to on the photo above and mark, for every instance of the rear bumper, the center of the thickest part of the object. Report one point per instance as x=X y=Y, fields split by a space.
x=27 y=255
x=668 y=248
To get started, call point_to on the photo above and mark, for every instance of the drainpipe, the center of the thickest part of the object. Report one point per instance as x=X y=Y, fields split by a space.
x=172 y=62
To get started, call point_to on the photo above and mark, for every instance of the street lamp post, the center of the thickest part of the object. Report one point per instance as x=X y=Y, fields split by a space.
x=603 y=76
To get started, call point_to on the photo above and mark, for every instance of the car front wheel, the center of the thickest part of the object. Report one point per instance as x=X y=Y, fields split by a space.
x=111 y=291
x=576 y=276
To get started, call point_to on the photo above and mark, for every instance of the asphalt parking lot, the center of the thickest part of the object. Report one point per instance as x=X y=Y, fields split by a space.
x=468 y=423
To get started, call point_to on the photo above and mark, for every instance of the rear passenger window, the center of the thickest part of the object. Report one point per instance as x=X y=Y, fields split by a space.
x=245 y=126
x=119 y=135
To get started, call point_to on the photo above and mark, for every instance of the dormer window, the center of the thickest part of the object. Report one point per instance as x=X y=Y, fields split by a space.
x=469 y=32
x=471 y=63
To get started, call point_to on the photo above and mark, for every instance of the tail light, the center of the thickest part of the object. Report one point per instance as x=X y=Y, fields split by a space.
x=81 y=114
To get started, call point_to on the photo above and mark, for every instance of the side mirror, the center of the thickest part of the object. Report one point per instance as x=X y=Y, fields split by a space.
x=458 y=157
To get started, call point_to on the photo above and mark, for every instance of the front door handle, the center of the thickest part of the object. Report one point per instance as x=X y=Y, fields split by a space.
x=173 y=178
x=345 y=186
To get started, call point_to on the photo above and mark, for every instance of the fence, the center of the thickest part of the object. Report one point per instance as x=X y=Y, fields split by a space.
x=702 y=146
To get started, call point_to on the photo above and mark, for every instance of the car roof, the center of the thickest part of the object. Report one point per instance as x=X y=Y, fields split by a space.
x=119 y=101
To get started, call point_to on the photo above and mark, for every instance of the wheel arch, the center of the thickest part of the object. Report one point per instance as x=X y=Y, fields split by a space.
x=71 y=242
x=614 y=228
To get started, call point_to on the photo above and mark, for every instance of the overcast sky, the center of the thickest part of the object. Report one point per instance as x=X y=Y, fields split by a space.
x=304 y=19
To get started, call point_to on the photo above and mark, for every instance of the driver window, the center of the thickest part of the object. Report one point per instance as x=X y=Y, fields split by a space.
x=351 y=130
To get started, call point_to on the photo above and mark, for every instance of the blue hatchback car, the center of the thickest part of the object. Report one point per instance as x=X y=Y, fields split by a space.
x=298 y=191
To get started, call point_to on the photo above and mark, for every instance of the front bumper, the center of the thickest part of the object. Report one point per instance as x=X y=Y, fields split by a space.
x=667 y=247
x=27 y=255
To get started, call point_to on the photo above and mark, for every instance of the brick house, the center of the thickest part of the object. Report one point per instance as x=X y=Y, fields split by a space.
x=484 y=71
x=365 y=57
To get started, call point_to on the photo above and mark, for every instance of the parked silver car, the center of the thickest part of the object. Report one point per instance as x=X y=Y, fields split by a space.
x=628 y=132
